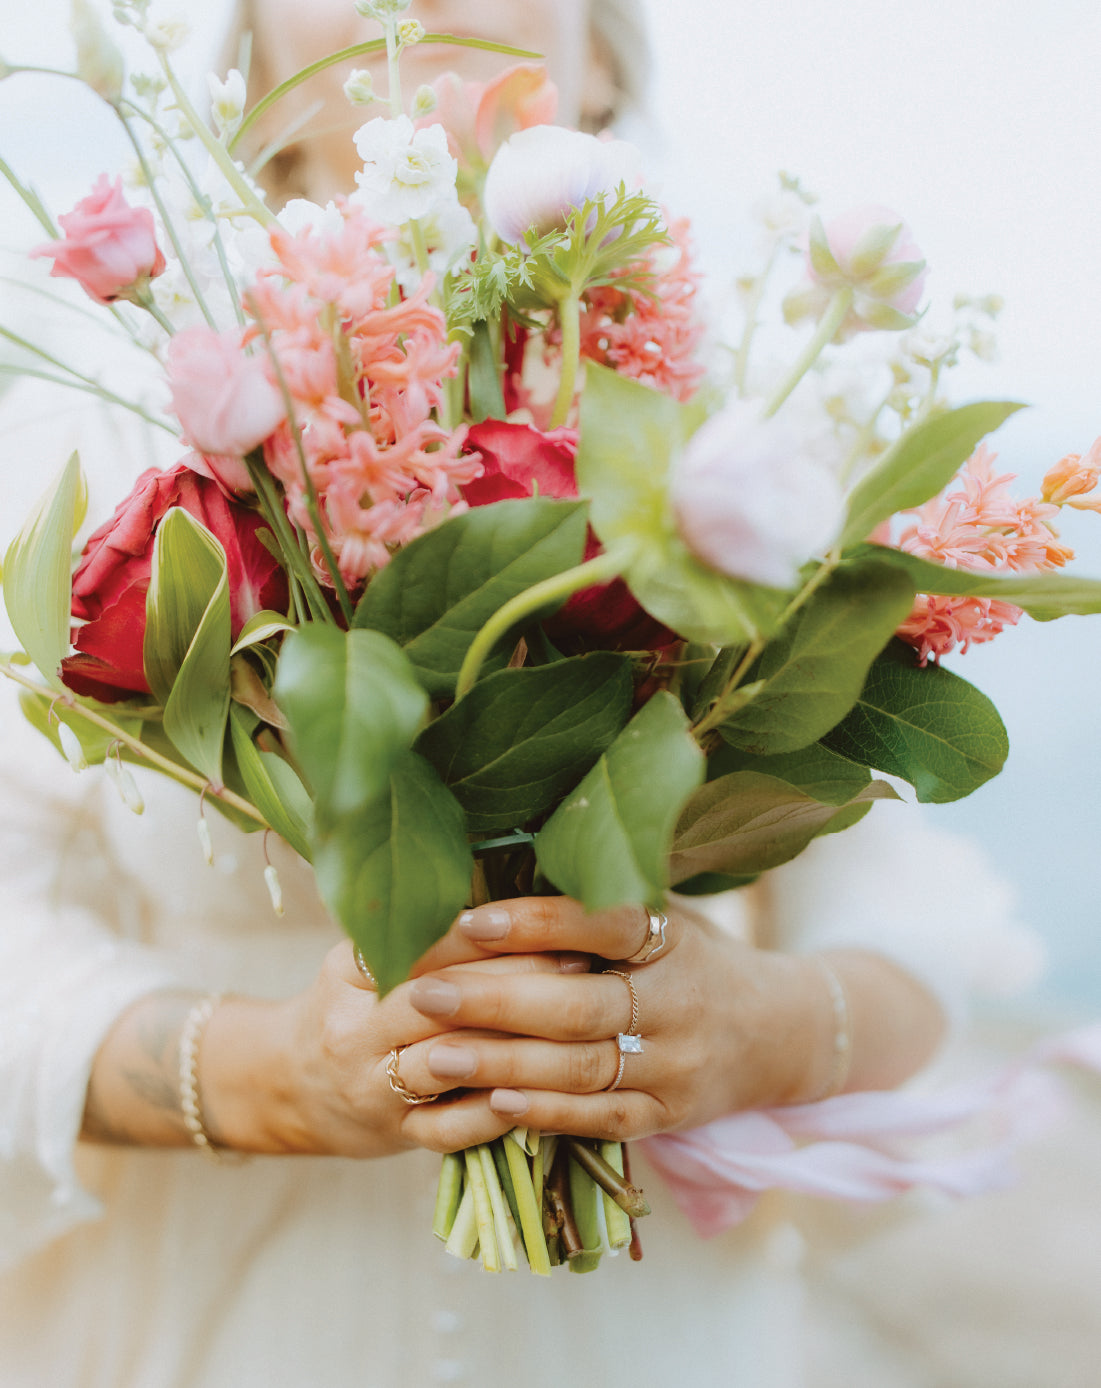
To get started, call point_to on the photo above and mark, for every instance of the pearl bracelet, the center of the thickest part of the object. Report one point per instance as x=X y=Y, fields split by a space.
x=841 y=1062
x=190 y=1038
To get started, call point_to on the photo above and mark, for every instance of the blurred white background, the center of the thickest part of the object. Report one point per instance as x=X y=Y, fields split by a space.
x=979 y=121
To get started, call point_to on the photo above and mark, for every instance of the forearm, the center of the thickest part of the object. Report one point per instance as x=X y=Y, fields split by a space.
x=134 y=1096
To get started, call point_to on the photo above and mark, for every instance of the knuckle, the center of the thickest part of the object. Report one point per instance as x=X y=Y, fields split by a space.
x=587 y=1068
x=583 y=1018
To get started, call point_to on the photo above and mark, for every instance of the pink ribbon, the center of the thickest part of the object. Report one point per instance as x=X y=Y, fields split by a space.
x=854 y=1147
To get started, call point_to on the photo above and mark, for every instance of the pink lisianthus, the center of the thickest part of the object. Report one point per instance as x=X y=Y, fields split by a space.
x=871 y=251
x=112 y=579
x=748 y=502
x=109 y=247
x=976 y=524
x=541 y=174
x=480 y=116
x=519 y=461
x=223 y=397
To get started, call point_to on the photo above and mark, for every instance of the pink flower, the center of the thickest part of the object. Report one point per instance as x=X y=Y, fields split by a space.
x=1066 y=483
x=222 y=396
x=541 y=174
x=478 y=117
x=109 y=247
x=746 y=500
x=871 y=251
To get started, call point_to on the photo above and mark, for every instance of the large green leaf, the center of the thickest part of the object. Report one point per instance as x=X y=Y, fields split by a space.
x=187 y=638
x=521 y=739
x=438 y=592
x=608 y=843
x=354 y=707
x=396 y=871
x=926 y=725
x=815 y=770
x=815 y=667
x=1043 y=596
x=746 y=823
x=629 y=437
x=920 y=464
x=272 y=786
x=38 y=572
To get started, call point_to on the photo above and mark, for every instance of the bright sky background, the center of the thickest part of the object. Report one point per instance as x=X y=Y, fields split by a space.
x=979 y=121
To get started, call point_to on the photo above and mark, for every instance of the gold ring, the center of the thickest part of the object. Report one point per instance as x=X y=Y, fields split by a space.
x=398 y=1085
x=628 y=1042
x=364 y=968
x=654 y=943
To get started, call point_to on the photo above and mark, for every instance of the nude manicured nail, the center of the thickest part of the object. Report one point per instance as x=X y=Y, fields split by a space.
x=452 y=1062
x=573 y=964
x=510 y=1103
x=485 y=923
x=434 y=997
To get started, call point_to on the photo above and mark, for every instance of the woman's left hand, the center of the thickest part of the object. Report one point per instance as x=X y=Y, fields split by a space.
x=724 y=1026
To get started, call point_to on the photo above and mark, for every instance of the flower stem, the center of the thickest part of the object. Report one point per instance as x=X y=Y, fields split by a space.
x=449 y=1195
x=626 y=1196
x=569 y=316
x=832 y=319
x=602 y=569
x=463 y=1238
x=393 y=67
x=506 y=1250
x=483 y=1210
x=528 y=1205
x=616 y=1219
x=135 y=744
x=585 y=1199
x=741 y=361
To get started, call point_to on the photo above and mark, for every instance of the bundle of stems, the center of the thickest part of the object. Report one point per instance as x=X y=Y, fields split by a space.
x=561 y=1200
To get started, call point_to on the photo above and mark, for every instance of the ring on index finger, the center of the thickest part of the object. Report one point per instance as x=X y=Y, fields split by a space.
x=654 y=943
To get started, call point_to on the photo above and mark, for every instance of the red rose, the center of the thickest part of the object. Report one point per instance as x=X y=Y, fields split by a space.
x=112 y=579
x=520 y=461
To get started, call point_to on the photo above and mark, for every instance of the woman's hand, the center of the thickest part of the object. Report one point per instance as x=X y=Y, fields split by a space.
x=724 y=1026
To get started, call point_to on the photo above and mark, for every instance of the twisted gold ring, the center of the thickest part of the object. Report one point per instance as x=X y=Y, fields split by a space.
x=398 y=1085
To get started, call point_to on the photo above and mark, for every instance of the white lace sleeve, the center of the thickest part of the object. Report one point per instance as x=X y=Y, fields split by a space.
x=929 y=899
x=66 y=973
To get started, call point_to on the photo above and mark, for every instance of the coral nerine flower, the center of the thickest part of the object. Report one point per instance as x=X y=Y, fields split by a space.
x=365 y=377
x=977 y=525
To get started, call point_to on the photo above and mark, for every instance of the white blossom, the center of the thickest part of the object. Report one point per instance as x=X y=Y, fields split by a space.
x=227 y=100
x=405 y=171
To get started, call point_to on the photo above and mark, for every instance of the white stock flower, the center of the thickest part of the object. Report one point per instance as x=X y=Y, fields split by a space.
x=449 y=235
x=167 y=33
x=541 y=174
x=227 y=100
x=405 y=171
x=360 y=87
x=749 y=502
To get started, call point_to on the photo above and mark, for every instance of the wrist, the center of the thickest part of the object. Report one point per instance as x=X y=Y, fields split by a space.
x=243 y=1069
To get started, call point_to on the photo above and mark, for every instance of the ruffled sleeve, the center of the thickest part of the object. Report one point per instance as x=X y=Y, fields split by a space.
x=71 y=961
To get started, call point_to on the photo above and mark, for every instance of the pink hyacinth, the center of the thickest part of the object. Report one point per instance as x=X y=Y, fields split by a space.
x=109 y=247
x=976 y=525
x=365 y=376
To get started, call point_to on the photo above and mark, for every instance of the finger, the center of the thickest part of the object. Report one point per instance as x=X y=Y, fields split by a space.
x=622 y=1115
x=584 y=1007
x=449 y=1125
x=473 y=1059
x=535 y=924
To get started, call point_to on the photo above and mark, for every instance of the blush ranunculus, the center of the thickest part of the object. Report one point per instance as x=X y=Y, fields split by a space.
x=109 y=247
x=223 y=397
x=541 y=174
x=112 y=579
x=520 y=461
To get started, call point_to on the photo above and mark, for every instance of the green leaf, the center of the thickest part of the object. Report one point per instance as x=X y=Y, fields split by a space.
x=521 y=739
x=487 y=399
x=1044 y=596
x=438 y=592
x=354 y=707
x=815 y=668
x=815 y=770
x=44 y=712
x=396 y=871
x=260 y=627
x=629 y=436
x=187 y=639
x=272 y=786
x=922 y=462
x=38 y=572
x=926 y=725
x=746 y=823
x=608 y=843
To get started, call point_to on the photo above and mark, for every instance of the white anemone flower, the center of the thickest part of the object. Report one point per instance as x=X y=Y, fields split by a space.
x=749 y=502
x=541 y=174
x=406 y=172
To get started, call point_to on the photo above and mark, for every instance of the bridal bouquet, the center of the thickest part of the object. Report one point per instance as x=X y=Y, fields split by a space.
x=469 y=583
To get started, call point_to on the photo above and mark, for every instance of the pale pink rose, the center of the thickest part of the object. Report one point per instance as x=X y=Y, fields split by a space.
x=748 y=502
x=221 y=395
x=540 y=175
x=109 y=247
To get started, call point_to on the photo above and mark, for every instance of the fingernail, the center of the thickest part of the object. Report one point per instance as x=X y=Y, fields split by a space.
x=510 y=1103
x=573 y=963
x=485 y=923
x=452 y=1062
x=434 y=997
